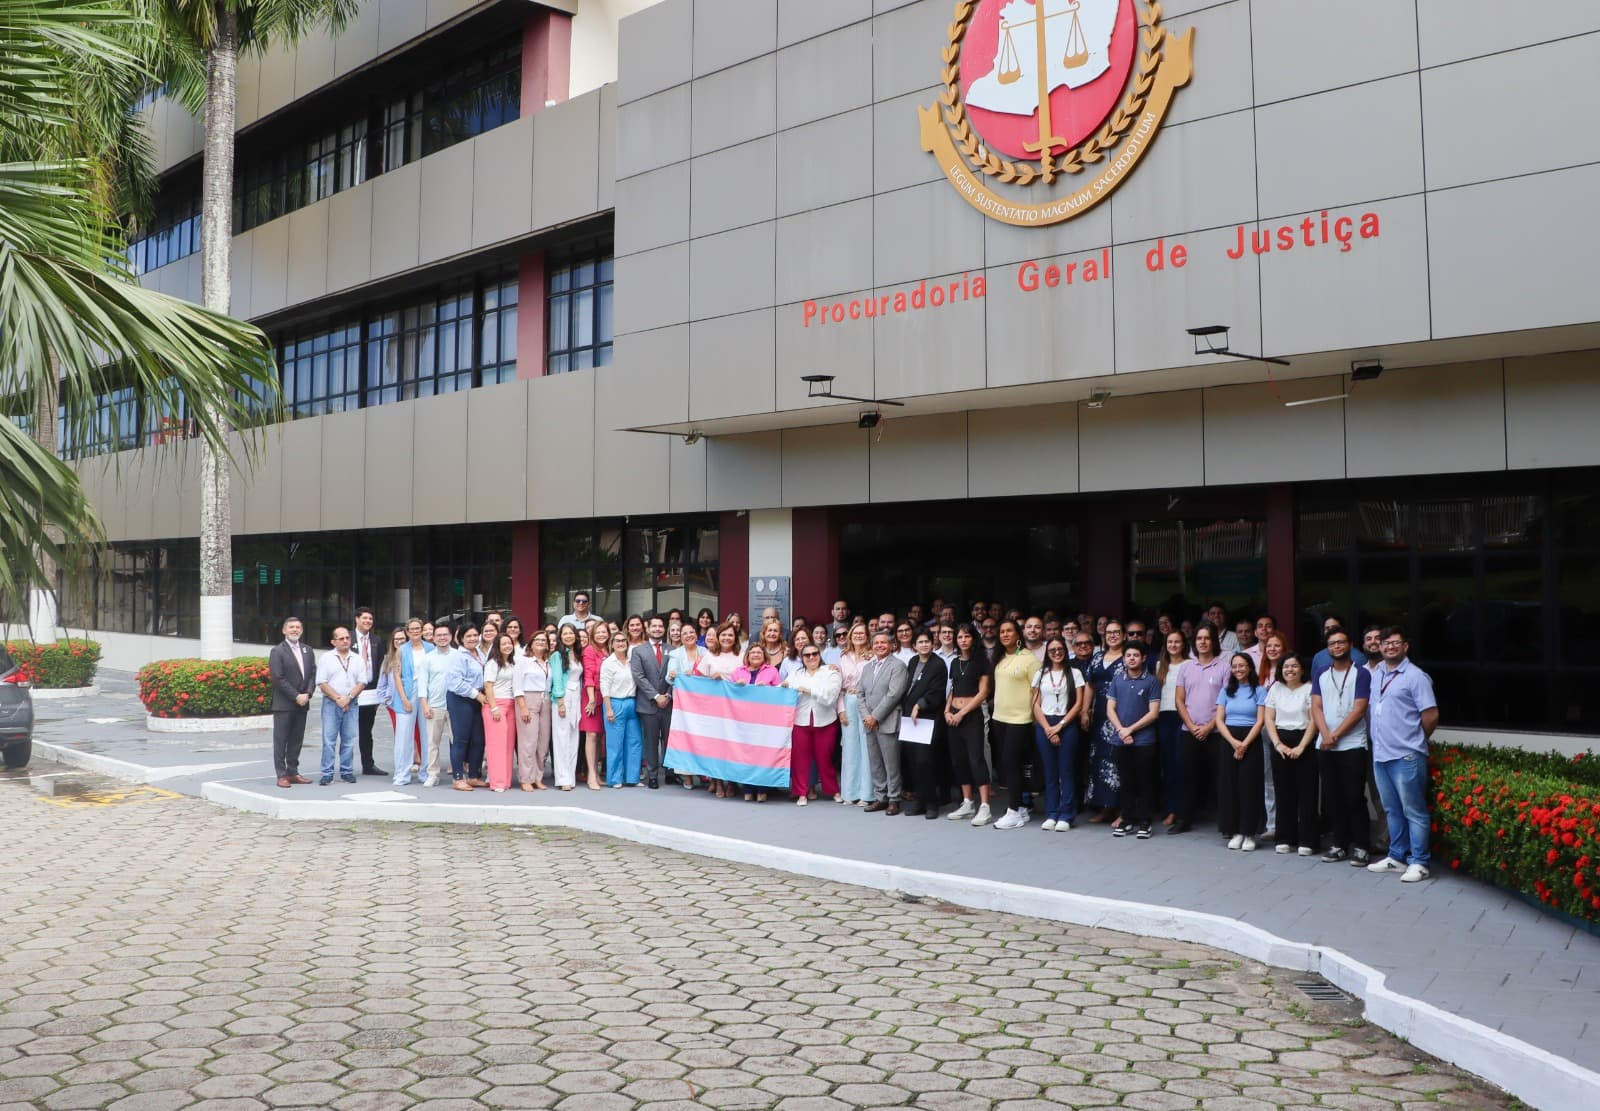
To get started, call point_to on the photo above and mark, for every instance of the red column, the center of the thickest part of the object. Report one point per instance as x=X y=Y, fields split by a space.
x=1105 y=560
x=1280 y=557
x=733 y=582
x=546 y=59
x=530 y=315
x=815 y=583
x=527 y=599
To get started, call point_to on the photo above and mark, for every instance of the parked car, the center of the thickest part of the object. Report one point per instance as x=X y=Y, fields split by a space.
x=16 y=714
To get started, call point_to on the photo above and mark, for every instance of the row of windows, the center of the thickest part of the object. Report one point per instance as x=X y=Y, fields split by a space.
x=629 y=568
x=454 y=337
x=152 y=589
x=475 y=96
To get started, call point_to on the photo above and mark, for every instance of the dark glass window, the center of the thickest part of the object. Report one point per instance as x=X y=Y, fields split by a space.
x=275 y=182
x=423 y=348
x=497 y=331
x=114 y=427
x=174 y=233
x=321 y=370
x=1178 y=566
x=1493 y=586
x=580 y=327
x=151 y=589
x=627 y=568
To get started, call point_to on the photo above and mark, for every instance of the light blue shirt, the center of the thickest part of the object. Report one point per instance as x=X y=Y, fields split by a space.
x=464 y=676
x=435 y=669
x=1394 y=715
x=1239 y=708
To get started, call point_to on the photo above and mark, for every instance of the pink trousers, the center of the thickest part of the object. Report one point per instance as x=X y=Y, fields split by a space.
x=500 y=743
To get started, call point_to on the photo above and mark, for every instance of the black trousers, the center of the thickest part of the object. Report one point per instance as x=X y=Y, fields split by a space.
x=653 y=733
x=1295 y=785
x=1138 y=765
x=1198 y=757
x=920 y=774
x=1016 y=745
x=365 y=716
x=288 y=735
x=1344 y=798
x=1241 y=791
x=966 y=751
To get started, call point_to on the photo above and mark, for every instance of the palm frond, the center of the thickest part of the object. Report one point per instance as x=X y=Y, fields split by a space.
x=45 y=517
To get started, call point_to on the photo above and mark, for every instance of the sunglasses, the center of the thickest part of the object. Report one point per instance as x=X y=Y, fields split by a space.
x=810 y=655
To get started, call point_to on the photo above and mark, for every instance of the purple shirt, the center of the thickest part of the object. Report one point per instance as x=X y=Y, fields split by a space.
x=1201 y=684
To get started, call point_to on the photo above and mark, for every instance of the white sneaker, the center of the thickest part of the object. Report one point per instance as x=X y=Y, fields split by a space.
x=1063 y=826
x=1307 y=850
x=801 y=801
x=1012 y=819
x=431 y=781
x=1414 y=873
x=983 y=817
x=1236 y=840
x=1281 y=849
x=1387 y=864
x=965 y=810
x=1049 y=825
x=1249 y=845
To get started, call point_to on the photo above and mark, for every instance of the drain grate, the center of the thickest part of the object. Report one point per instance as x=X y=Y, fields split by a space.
x=1322 y=991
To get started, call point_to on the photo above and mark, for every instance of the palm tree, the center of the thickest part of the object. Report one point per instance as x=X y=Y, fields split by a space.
x=216 y=30
x=71 y=319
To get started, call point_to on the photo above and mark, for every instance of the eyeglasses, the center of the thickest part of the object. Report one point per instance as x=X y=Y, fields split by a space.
x=346 y=637
x=1083 y=644
x=1392 y=644
x=810 y=655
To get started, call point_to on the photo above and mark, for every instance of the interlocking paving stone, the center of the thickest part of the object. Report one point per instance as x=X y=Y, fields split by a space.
x=174 y=954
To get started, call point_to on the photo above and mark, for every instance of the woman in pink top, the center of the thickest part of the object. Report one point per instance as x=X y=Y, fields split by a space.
x=719 y=661
x=594 y=725
x=755 y=671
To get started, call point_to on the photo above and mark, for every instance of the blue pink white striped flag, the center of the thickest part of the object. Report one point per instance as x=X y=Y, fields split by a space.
x=726 y=731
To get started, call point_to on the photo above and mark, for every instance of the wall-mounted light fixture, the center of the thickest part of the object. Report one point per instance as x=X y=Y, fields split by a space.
x=821 y=386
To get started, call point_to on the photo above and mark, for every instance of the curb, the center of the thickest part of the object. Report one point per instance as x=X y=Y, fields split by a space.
x=94 y=762
x=207 y=725
x=1534 y=1075
x=64 y=694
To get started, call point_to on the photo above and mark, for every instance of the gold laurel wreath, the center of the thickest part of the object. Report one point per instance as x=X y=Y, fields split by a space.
x=1074 y=161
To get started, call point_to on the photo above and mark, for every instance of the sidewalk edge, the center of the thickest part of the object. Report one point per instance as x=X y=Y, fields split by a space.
x=1536 y=1076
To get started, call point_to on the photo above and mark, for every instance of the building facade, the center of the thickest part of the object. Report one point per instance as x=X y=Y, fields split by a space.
x=546 y=281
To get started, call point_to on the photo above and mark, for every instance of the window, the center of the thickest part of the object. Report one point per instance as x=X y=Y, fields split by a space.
x=1186 y=565
x=497 y=331
x=274 y=183
x=174 y=233
x=422 y=349
x=152 y=589
x=114 y=426
x=478 y=96
x=580 y=325
x=1483 y=576
x=637 y=568
x=321 y=370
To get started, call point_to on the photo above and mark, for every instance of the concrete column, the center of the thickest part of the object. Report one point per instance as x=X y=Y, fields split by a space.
x=42 y=616
x=733 y=581
x=816 y=564
x=530 y=315
x=546 y=59
x=527 y=593
x=1280 y=558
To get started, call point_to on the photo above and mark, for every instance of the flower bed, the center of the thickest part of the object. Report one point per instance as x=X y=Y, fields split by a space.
x=64 y=665
x=1522 y=820
x=206 y=688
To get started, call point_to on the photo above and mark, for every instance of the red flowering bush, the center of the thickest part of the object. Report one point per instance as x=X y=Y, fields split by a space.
x=206 y=688
x=1522 y=820
x=58 y=666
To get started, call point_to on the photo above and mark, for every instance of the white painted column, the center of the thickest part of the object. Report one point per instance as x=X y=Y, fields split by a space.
x=42 y=616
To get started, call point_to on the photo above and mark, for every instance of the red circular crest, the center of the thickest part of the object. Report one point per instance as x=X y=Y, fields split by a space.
x=1088 y=52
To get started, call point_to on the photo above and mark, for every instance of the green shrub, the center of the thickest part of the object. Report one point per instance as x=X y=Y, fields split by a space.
x=1523 y=820
x=206 y=688
x=59 y=666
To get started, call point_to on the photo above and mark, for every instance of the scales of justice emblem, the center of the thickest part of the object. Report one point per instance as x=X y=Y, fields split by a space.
x=1035 y=90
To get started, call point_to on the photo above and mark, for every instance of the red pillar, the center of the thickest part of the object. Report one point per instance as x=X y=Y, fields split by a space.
x=1280 y=557
x=527 y=599
x=1105 y=559
x=815 y=583
x=546 y=59
x=733 y=582
x=530 y=315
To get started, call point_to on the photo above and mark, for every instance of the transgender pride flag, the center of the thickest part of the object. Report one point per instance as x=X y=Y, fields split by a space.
x=726 y=731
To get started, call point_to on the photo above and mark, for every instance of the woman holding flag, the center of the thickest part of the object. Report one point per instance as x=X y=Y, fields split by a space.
x=816 y=724
x=757 y=671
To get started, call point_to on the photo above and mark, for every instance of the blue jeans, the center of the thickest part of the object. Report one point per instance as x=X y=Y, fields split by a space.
x=624 y=744
x=1403 y=789
x=1060 y=765
x=1169 y=734
x=466 y=737
x=338 y=734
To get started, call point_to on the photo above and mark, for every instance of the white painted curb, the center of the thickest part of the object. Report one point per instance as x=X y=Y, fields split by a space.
x=1535 y=1076
x=207 y=725
x=125 y=769
x=64 y=694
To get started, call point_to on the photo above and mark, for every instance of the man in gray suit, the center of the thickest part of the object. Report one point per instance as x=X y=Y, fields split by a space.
x=648 y=664
x=292 y=667
x=883 y=685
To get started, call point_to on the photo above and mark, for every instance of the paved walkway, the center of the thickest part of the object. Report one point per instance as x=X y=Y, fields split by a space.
x=162 y=953
x=1456 y=944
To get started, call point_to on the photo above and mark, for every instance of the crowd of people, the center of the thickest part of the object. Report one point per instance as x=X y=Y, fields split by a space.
x=1075 y=718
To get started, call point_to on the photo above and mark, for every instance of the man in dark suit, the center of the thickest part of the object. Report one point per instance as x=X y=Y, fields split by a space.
x=292 y=667
x=923 y=701
x=364 y=644
x=648 y=663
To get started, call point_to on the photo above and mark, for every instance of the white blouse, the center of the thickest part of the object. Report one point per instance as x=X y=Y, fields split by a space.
x=503 y=678
x=1056 y=691
x=1291 y=707
x=819 y=695
x=532 y=675
x=616 y=679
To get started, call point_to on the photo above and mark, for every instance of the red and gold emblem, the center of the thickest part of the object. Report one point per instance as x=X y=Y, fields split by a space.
x=1040 y=89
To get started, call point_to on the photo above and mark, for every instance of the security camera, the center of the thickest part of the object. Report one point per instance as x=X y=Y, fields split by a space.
x=868 y=420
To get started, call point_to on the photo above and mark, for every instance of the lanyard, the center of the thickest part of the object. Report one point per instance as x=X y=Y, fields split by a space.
x=1389 y=677
x=1340 y=686
x=344 y=661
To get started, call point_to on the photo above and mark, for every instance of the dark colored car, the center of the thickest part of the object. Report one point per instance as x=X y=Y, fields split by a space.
x=16 y=714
